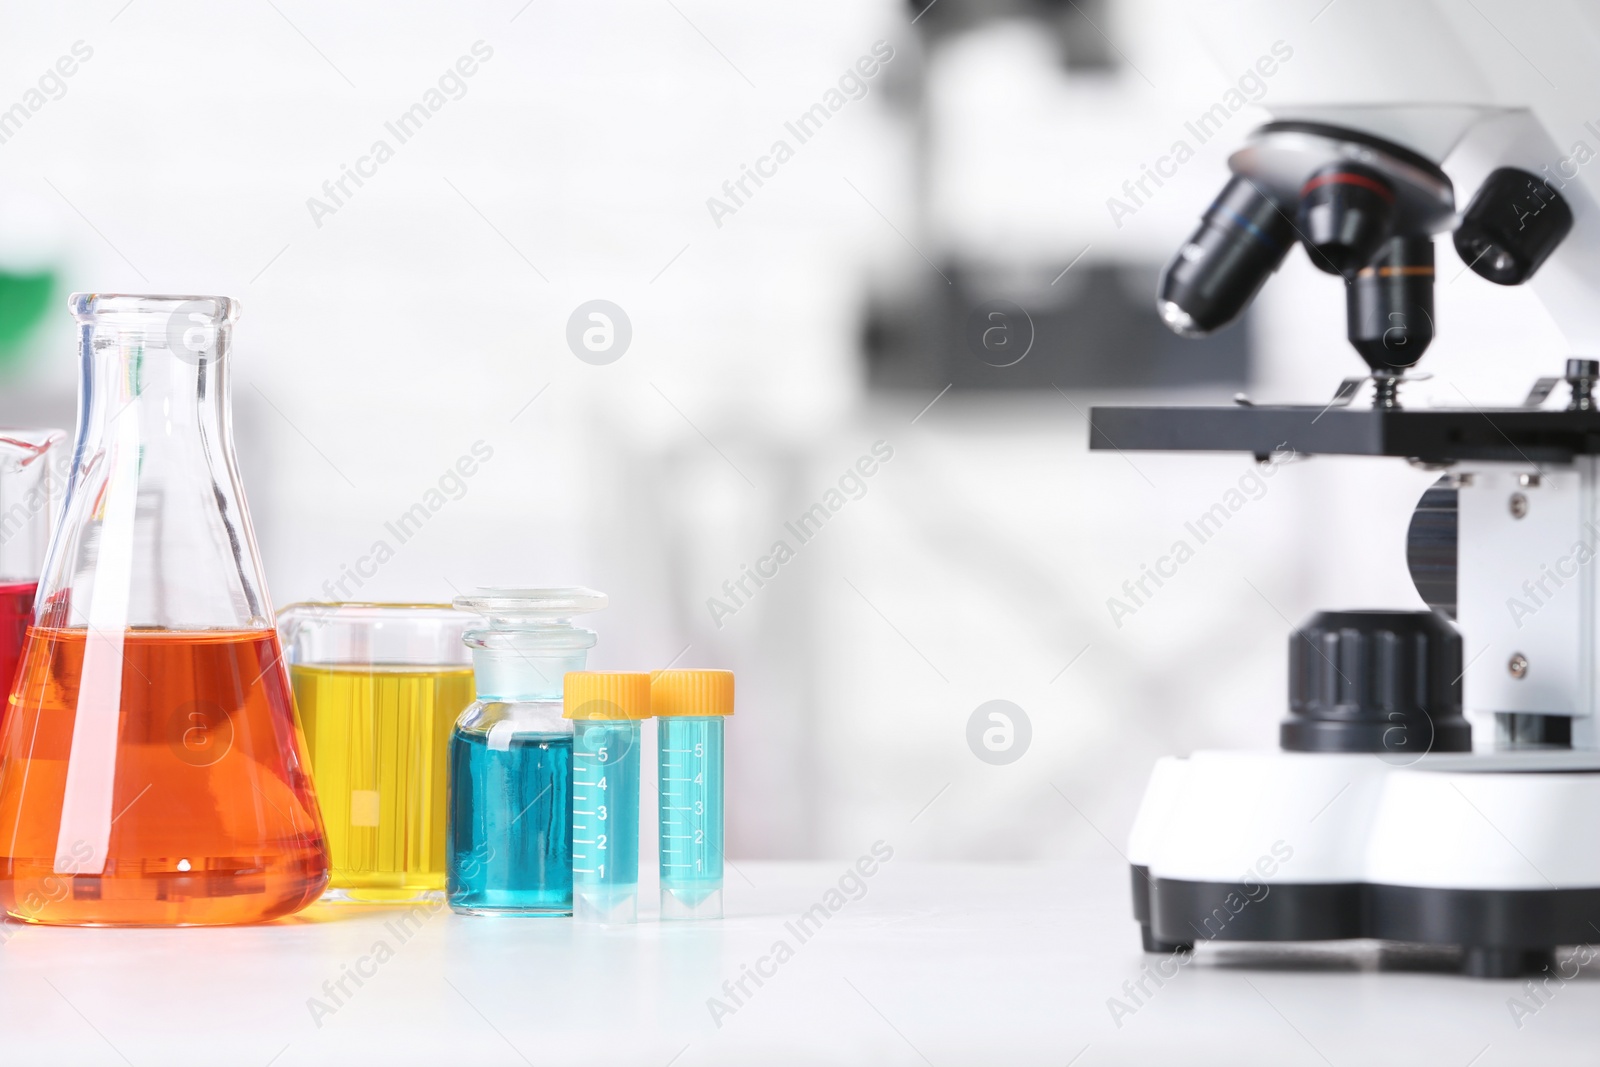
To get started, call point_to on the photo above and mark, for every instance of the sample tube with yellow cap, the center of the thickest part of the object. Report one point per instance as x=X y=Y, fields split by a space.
x=608 y=709
x=690 y=707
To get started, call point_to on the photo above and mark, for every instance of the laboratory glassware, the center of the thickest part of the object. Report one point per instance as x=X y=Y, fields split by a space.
x=510 y=831
x=32 y=471
x=378 y=688
x=151 y=771
x=608 y=709
x=690 y=707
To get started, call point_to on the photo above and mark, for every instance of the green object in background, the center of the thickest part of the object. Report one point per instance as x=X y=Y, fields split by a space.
x=24 y=302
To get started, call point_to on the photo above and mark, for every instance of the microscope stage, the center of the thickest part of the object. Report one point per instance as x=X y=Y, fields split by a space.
x=1433 y=435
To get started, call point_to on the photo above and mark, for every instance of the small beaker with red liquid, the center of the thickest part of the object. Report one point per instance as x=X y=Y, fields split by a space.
x=151 y=768
x=32 y=472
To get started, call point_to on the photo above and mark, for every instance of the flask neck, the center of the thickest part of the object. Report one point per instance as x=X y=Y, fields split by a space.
x=156 y=369
x=511 y=674
x=154 y=532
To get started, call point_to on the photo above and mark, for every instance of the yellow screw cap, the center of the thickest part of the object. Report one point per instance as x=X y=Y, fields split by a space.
x=691 y=693
x=606 y=695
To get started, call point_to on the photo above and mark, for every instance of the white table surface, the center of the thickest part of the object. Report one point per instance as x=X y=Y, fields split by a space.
x=935 y=964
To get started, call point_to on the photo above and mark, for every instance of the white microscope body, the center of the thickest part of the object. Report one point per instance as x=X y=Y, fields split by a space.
x=1382 y=816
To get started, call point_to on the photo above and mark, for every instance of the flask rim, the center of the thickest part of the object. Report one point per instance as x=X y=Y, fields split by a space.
x=374 y=611
x=111 y=307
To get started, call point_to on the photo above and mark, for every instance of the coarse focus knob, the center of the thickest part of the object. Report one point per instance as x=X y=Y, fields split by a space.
x=1375 y=681
x=1512 y=225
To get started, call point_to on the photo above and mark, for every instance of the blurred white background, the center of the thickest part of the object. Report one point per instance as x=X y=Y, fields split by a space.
x=429 y=312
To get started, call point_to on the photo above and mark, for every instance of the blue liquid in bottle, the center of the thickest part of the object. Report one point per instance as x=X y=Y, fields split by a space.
x=605 y=821
x=689 y=761
x=510 y=801
x=510 y=823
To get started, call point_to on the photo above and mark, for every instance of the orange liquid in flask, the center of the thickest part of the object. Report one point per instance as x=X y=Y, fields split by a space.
x=212 y=818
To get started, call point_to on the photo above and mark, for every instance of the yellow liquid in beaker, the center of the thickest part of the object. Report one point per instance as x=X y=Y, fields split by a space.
x=378 y=738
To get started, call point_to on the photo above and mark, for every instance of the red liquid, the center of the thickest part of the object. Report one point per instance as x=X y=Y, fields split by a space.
x=16 y=612
x=213 y=816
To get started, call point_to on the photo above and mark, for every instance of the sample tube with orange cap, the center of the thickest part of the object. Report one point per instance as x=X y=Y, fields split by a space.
x=608 y=709
x=690 y=707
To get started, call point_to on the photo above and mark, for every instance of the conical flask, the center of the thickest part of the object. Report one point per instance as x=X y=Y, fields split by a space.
x=151 y=768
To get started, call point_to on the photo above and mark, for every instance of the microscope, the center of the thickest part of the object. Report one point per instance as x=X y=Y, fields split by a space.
x=1384 y=814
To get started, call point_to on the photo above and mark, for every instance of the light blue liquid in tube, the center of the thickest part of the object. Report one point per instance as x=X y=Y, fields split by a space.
x=690 y=708
x=690 y=768
x=605 y=821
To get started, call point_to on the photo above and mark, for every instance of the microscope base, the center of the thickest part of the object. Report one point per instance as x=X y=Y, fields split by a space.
x=1469 y=851
x=1502 y=933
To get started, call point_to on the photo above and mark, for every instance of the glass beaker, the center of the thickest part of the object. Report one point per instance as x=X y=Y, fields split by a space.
x=378 y=688
x=151 y=772
x=32 y=472
x=511 y=754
